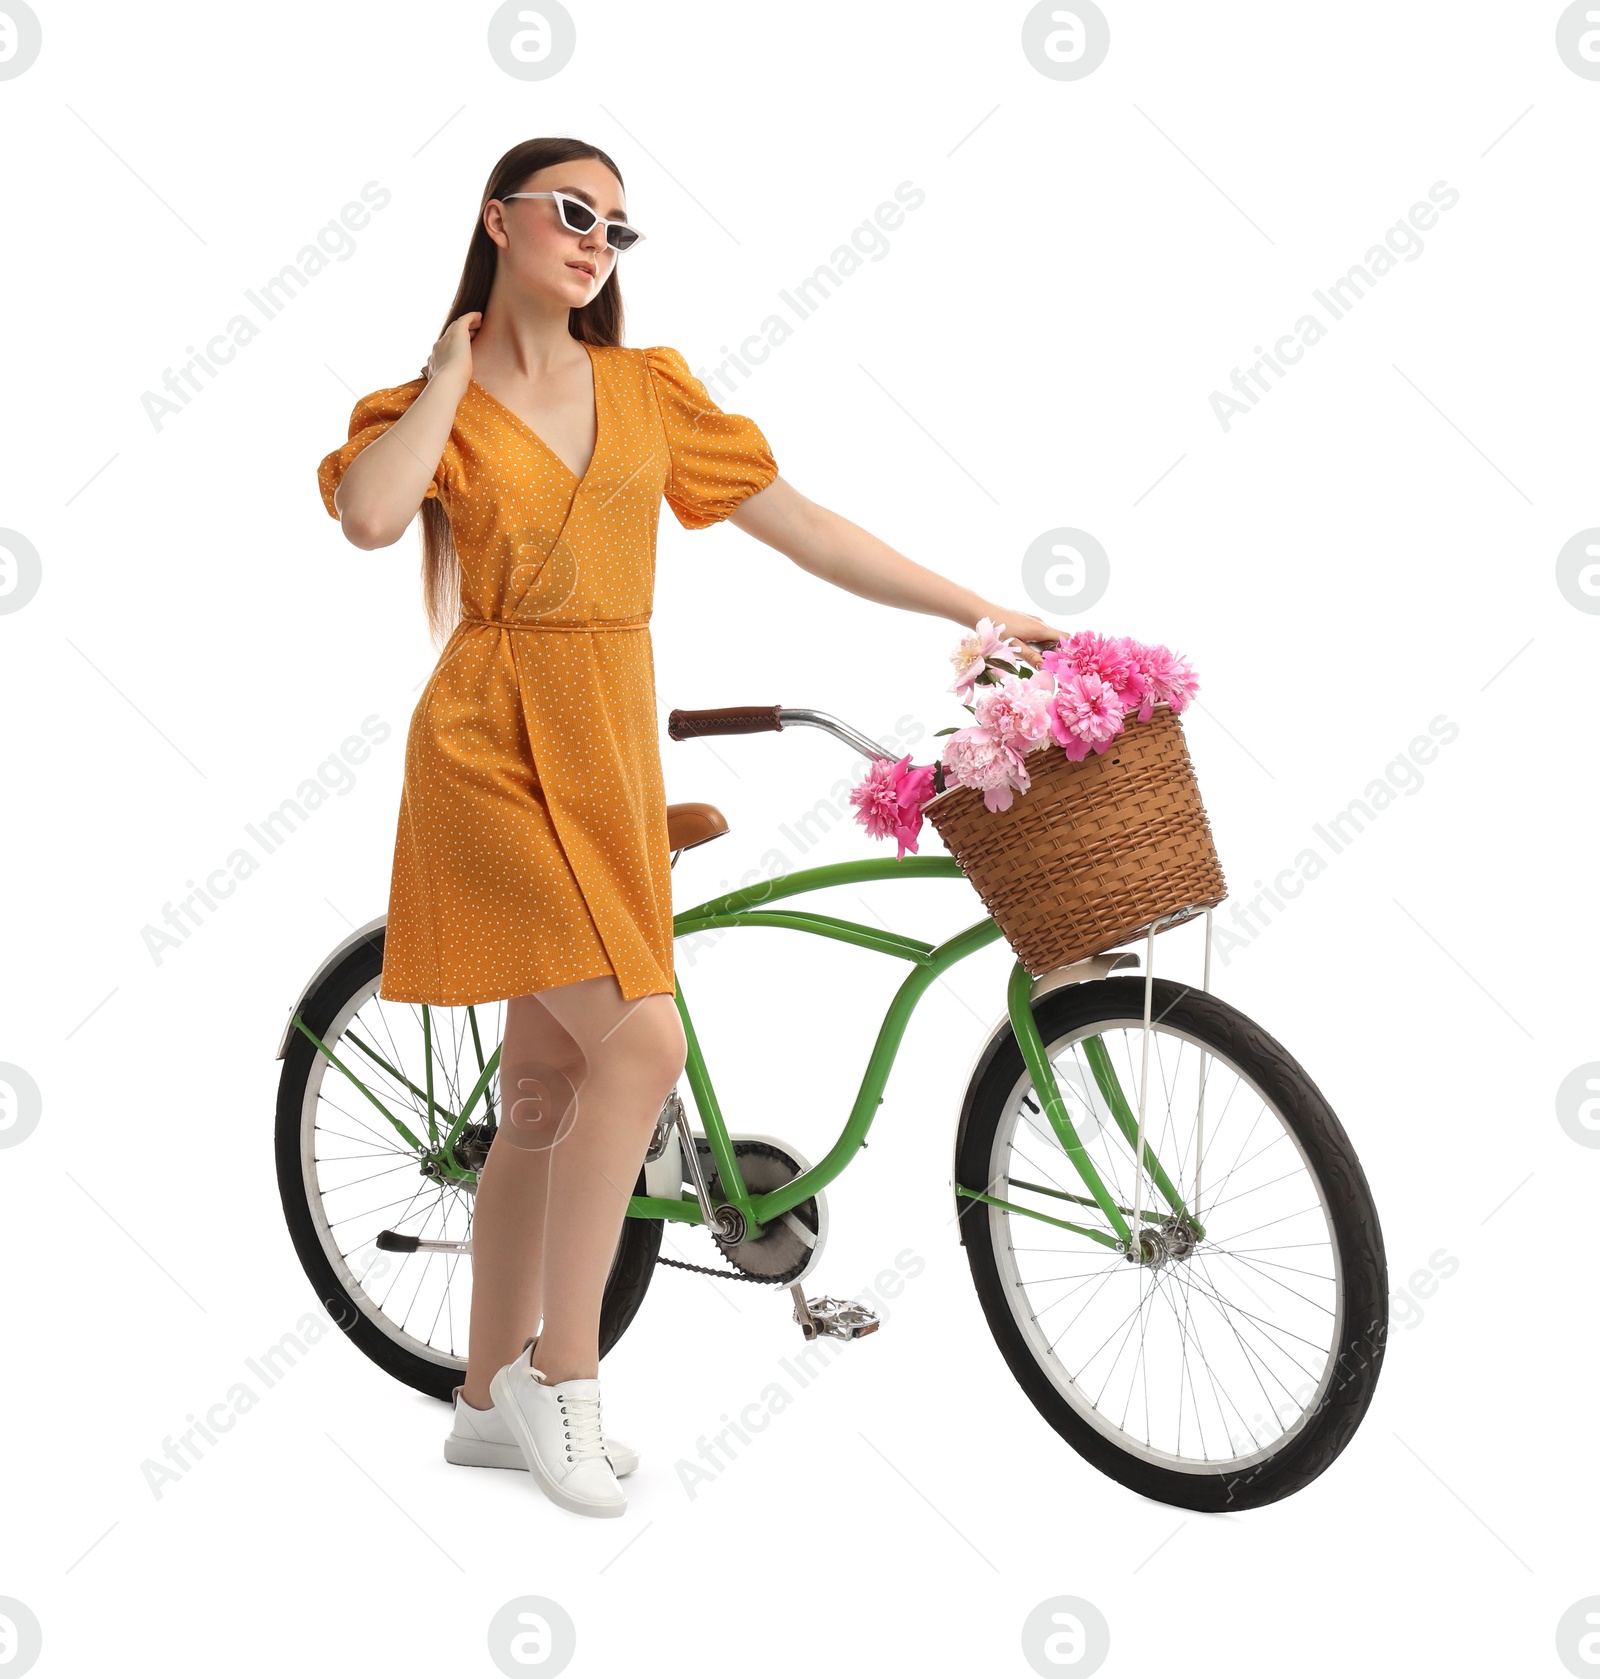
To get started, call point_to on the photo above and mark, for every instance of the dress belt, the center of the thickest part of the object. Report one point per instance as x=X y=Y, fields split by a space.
x=556 y=624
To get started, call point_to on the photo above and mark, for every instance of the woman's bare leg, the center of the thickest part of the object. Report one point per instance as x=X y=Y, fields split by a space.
x=553 y=1193
x=539 y=1056
x=633 y=1054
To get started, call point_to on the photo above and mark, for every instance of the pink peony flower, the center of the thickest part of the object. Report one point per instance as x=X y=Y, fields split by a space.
x=889 y=800
x=1113 y=660
x=1017 y=709
x=916 y=788
x=978 y=758
x=973 y=653
x=1086 y=713
x=1165 y=678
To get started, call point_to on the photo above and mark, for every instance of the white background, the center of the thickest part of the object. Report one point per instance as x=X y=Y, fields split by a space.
x=1371 y=547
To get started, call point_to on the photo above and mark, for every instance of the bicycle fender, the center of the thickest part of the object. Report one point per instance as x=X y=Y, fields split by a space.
x=360 y=936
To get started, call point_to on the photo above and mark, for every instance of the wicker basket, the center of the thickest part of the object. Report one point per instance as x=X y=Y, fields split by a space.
x=1094 y=853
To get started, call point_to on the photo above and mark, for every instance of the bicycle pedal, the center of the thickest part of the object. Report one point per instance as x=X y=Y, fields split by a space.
x=824 y=1315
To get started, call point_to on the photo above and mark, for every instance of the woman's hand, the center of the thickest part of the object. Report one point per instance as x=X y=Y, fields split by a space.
x=1023 y=627
x=383 y=487
x=450 y=360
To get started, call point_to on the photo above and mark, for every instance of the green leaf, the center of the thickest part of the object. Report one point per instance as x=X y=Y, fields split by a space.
x=949 y=731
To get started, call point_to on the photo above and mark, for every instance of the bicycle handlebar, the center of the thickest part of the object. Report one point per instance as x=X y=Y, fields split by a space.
x=726 y=720
x=756 y=719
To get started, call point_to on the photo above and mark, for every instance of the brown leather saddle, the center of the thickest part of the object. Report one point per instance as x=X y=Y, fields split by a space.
x=693 y=824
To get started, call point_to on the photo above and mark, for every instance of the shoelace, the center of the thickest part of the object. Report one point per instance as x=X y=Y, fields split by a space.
x=582 y=1417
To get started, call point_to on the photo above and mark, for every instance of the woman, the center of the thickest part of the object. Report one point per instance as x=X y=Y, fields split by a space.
x=531 y=859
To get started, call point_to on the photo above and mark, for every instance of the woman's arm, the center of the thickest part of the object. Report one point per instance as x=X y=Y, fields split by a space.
x=383 y=486
x=827 y=545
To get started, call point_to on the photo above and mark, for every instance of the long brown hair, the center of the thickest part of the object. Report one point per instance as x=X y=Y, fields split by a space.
x=597 y=322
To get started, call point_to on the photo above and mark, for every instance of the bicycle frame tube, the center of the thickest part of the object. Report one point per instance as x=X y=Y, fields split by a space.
x=741 y=909
x=747 y=908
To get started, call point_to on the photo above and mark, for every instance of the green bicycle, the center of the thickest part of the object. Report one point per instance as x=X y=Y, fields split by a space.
x=1171 y=1238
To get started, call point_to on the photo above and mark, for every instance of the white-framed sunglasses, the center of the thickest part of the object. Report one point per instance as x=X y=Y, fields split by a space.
x=577 y=216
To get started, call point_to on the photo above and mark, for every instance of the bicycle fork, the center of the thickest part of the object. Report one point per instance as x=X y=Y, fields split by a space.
x=1127 y=1224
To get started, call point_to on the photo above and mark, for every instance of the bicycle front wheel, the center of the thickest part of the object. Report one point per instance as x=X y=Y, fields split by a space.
x=1235 y=1363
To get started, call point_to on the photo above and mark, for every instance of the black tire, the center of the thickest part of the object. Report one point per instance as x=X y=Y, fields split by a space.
x=434 y=1370
x=1348 y=1368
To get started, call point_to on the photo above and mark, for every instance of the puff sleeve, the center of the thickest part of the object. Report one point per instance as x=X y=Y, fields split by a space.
x=371 y=417
x=717 y=459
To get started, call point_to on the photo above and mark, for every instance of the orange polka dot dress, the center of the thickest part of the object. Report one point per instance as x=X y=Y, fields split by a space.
x=532 y=840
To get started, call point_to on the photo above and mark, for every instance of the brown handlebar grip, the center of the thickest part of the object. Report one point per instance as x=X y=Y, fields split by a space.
x=725 y=720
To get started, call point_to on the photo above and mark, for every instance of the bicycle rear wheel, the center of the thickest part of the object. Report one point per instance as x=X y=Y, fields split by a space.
x=1234 y=1366
x=347 y=1175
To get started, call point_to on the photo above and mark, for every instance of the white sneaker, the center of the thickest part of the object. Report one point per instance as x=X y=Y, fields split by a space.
x=557 y=1427
x=481 y=1440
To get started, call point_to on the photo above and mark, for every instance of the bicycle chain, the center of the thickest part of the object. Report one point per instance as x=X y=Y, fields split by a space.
x=733 y=1275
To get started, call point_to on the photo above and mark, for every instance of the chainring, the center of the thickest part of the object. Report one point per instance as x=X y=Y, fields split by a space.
x=780 y=1254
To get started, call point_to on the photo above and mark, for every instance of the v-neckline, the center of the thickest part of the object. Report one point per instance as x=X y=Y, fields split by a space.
x=594 y=374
